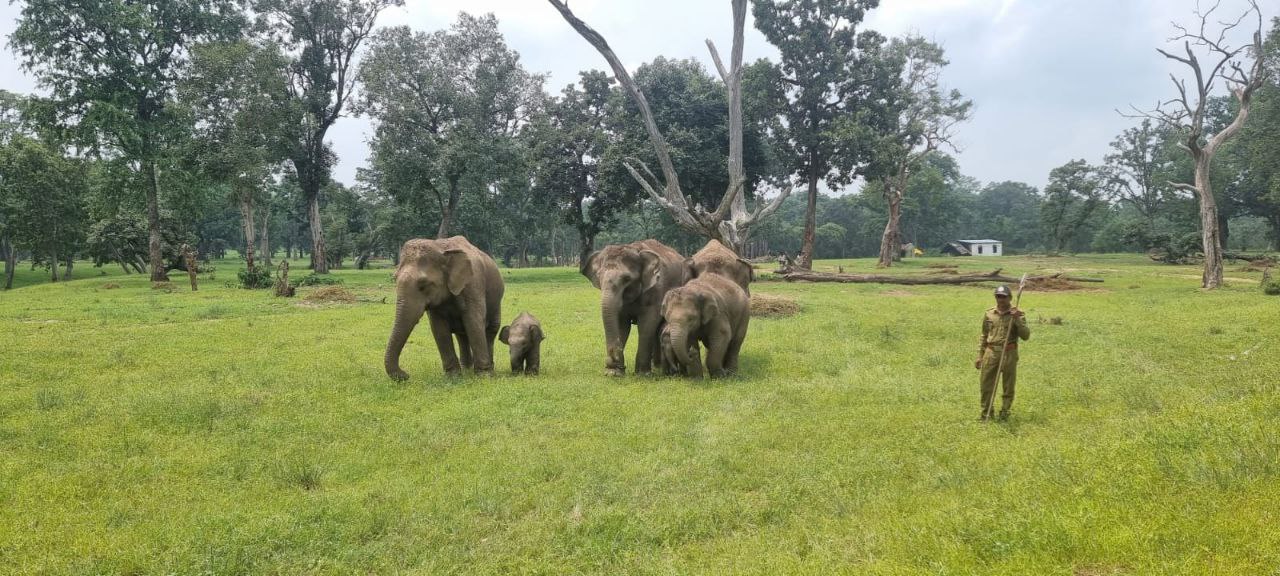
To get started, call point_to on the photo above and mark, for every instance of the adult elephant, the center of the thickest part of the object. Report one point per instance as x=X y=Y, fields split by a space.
x=716 y=258
x=713 y=310
x=632 y=279
x=460 y=289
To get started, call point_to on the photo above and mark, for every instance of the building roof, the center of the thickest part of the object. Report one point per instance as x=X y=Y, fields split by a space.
x=980 y=241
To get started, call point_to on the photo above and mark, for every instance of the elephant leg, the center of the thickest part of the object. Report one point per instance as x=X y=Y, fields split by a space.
x=444 y=342
x=477 y=337
x=731 y=354
x=533 y=362
x=517 y=364
x=717 y=346
x=648 y=345
x=464 y=349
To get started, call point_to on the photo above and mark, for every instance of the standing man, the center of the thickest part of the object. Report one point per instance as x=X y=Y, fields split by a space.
x=1002 y=326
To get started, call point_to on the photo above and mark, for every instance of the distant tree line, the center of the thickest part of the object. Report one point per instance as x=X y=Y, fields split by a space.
x=206 y=125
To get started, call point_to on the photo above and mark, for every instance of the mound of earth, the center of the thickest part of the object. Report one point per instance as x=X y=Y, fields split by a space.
x=773 y=306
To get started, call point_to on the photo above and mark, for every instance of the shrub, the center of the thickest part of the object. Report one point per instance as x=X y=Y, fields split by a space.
x=1270 y=285
x=254 y=278
x=314 y=279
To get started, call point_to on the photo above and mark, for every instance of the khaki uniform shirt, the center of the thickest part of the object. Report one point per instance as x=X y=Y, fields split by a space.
x=995 y=329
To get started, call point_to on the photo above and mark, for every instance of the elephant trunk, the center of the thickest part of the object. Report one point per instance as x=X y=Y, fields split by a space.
x=680 y=347
x=399 y=335
x=610 y=305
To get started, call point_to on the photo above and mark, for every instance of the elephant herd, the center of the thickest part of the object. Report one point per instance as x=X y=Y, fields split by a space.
x=678 y=305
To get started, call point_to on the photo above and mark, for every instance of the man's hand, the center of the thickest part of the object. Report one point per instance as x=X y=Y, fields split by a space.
x=1016 y=312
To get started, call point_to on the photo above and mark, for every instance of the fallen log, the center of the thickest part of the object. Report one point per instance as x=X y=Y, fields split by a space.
x=993 y=276
x=1251 y=258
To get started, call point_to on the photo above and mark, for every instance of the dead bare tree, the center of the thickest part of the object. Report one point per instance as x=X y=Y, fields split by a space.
x=731 y=221
x=1186 y=112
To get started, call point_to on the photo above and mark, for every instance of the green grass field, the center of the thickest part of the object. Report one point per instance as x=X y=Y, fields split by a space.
x=229 y=432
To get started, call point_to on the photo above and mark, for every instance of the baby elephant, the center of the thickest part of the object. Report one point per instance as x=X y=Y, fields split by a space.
x=670 y=361
x=525 y=337
x=713 y=310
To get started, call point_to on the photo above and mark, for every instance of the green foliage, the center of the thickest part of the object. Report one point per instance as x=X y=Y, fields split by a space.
x=1075 y=192
x=315 y=280
x=1270 y=284
x=256 y=278
x=291 y=452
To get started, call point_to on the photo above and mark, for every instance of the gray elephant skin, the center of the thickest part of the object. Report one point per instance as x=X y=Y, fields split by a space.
x=670 y=362
x=716 y=258
x=713 y=310
x=632 y=279
x=460 y=289
x=524 y=337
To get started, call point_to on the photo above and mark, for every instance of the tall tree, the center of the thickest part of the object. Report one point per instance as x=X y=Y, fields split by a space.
x=1211 y=59
x=324 y=36
x=42 y=197
x=114 y=65
x=1010 y=212
x=569 y=141
x=730 y=221
x=835 y=76
x=449 y=106
x=1075 y=192
x=237 y=95
x=925 y=115
x=1140 y=167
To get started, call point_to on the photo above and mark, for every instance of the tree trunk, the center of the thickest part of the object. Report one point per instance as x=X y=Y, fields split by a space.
x=70 y=262
x=10 y=254
x=891 y=240
x=158 y=273
x=266 y=230
x=1212 y=242
x=1275 y=233
x=810 y=221
x=53 y=261
x=446 y=218
x=586 y=245
x=922 y=279
x=318 y=261
x=247 y=225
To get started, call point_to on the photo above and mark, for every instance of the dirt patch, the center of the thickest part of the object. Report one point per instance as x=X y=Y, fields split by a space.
x=945 y=271
x=897 y=293
x=1052 y=285
x=163 y=286
x=331 y=294
x=110 y=286
x=773 y=306
x=940 y=265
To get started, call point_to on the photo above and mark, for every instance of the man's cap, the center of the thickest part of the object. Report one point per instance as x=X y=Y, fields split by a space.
x=1002 y=290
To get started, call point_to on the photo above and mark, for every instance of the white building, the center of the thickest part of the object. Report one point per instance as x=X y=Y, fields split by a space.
x=974 y=248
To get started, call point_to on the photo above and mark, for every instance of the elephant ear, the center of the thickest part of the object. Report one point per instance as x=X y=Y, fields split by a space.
x=458 y=270
x=708 y=308
x=751 y=270
x=690 y=268
x=651 y=275
x=504 y=335
x=588 y=269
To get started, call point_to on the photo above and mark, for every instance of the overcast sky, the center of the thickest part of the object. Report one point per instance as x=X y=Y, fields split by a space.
x=1046 y=75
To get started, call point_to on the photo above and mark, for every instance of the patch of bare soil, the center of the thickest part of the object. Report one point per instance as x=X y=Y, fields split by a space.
x=897 y=293
x=773 y=306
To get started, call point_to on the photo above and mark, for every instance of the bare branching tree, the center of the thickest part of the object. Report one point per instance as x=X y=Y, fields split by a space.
x=730 y=221
x=1212 y=61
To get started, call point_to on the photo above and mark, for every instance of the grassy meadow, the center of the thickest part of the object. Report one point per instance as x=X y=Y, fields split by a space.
x=226 y=431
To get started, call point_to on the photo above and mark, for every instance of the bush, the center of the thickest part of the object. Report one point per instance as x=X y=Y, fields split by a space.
x=255 y=278
x=314 y=279
x=1270 y=285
